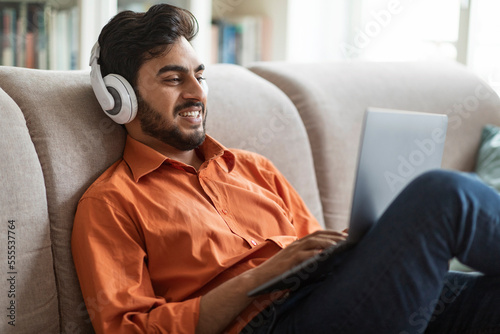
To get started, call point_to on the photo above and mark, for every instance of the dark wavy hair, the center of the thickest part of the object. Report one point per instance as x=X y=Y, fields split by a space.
x=129 y=38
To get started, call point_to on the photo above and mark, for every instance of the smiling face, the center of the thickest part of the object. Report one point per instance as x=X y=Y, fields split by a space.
x=171 y=100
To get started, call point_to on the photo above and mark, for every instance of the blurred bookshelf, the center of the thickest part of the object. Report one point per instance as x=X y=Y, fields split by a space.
x=226 y=34
x=39 y=34
x=59 y=34
x=241 y=39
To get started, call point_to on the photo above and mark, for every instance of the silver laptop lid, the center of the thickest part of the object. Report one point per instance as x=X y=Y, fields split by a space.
x=396 y=146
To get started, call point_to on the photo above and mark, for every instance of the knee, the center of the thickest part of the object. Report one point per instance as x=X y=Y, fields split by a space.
x=431 y=200
x=441 y=183
x=438 y=181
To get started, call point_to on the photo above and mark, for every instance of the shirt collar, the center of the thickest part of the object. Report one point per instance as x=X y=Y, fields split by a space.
x=143 y=159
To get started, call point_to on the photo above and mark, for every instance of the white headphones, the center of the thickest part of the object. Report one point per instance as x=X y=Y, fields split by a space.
x=114 y=93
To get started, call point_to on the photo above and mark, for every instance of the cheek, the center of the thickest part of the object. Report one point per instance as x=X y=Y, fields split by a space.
x=158 y=99
x=148 y=91
x=162 y=104
x=146 y=83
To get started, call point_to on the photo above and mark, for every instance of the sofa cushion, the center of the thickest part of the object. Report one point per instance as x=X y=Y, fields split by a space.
x=488 y=158
x=29 y=295
x=332 y=97
x=75 y=142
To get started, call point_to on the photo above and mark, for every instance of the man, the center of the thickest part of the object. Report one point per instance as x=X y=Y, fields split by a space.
x=172 y=237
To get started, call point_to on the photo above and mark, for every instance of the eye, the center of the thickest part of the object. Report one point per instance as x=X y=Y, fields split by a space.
x=200 y=79
x=173 y=80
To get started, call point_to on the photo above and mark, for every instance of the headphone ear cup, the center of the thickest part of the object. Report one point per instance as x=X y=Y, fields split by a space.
x=125 y=107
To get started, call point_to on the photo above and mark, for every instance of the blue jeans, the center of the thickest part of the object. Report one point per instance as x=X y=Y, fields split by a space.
x=396 y=280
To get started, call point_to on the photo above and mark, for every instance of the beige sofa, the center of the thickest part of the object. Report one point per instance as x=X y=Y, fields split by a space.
x=331 y=100
x=304 y=117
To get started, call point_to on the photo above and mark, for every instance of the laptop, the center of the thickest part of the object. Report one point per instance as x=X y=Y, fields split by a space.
x=396 y=146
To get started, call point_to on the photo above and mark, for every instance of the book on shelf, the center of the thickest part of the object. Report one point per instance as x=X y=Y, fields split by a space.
x=63 y=39
x=241 y=40
x=36 y=35
x=8 y=20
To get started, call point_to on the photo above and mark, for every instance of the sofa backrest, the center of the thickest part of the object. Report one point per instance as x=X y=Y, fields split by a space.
x=71 y=144
x=27 y=279
x=332 y=97
x=56 y=141
x=247 y=112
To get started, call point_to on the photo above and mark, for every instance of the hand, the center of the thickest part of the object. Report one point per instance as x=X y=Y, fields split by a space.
x=295 y=253
x=222 y=304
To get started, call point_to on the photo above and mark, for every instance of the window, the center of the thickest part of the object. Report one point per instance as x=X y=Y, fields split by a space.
x=483 y=55
x=393 y=30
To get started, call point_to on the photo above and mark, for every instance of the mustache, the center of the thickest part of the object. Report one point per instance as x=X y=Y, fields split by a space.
x=189 y=104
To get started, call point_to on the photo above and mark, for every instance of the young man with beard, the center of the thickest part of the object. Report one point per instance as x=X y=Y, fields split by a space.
x=172 y=237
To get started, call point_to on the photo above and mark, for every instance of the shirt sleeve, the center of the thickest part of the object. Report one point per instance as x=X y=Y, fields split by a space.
x=111 y=262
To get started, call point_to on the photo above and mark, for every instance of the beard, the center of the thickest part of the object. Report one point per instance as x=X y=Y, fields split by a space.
x=154 y=124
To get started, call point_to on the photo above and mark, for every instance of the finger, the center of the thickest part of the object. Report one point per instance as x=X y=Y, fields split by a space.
x=304 y=255
x=317 y=242
x=331 y=236
x=327 y=232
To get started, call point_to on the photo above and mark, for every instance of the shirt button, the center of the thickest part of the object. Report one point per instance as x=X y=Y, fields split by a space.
x=254 y=242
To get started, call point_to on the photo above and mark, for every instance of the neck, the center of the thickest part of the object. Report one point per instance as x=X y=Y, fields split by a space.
x=188 y=157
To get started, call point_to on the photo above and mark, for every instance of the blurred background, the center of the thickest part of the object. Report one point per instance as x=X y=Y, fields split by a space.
x=59 y=34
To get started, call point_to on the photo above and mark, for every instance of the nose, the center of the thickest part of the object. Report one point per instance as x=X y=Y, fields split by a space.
x=194 y=90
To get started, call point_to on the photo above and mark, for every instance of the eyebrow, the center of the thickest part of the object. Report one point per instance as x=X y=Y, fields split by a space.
x=178 y=68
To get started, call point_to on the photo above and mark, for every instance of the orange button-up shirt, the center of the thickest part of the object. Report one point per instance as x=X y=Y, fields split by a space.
x=152 y=235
